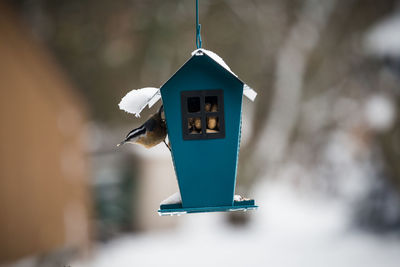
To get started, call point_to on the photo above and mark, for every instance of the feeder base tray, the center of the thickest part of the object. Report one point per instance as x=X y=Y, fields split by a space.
x=177 y=209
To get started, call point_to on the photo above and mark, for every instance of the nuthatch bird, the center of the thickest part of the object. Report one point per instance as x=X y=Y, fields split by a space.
x=151 y=133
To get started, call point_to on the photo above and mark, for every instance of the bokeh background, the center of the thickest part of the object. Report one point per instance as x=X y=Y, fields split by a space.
x=320 y=146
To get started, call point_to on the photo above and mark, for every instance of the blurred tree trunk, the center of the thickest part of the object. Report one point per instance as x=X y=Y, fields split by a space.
x=346 y=23
x=332 y=59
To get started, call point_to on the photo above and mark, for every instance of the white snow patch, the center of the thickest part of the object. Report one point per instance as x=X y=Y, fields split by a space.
x=288 y=230
x=237 y=198
x=214 y=56
x=155 y=99
x=384 y=37
x=247 y=90
x=380 y=112
x=173 y=199
x=136 y=100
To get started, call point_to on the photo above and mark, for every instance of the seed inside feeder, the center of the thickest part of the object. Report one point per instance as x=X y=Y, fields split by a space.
x=212 y=124
x=194 y=125
x=211 y=103
x=207 y=107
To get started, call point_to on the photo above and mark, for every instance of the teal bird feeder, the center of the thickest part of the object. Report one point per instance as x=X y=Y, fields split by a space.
x=203 y=114
x=203 y=105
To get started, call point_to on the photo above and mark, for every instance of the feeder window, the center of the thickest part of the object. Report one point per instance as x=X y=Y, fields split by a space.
x=202 y=114
x=193 y=104
x=194 y=125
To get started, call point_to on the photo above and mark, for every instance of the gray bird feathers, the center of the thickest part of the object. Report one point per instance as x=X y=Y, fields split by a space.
x=151 y=133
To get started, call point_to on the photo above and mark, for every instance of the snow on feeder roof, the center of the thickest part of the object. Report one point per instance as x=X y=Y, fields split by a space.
x=136 y=100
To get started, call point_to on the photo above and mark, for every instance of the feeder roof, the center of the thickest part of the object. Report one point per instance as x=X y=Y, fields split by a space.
x=136 y=100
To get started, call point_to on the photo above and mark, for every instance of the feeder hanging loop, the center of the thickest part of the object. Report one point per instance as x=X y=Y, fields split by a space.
x=198 y=26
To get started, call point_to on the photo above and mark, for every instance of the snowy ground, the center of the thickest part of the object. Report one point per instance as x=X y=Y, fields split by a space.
x=288 y=230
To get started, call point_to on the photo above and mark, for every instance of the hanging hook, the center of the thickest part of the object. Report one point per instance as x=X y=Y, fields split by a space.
x=198 y=26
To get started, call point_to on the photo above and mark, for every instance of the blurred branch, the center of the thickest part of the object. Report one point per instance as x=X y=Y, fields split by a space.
x=291 y=63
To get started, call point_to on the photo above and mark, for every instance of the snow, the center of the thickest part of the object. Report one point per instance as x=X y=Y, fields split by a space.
x=136 y=100
x=247 y=90
x=214 y=56
x=176 y=198
x=380 y=112
x=173 y=199
x=239 y=198
x=384 y=37
x=155 y=99
x=288 y=230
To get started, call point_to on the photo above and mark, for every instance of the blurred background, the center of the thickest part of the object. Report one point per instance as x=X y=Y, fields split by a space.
x=320 y=146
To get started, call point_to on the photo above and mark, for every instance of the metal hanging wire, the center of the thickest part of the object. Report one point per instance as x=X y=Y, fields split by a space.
x=198 y=26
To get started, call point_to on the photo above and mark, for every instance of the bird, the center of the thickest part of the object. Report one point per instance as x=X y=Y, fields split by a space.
x=150 y=133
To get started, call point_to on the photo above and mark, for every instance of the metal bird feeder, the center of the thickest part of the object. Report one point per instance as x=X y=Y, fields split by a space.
x=203 y=105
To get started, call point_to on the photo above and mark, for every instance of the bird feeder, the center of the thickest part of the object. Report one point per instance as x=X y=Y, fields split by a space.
x=203 y=105
x=203 y=113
